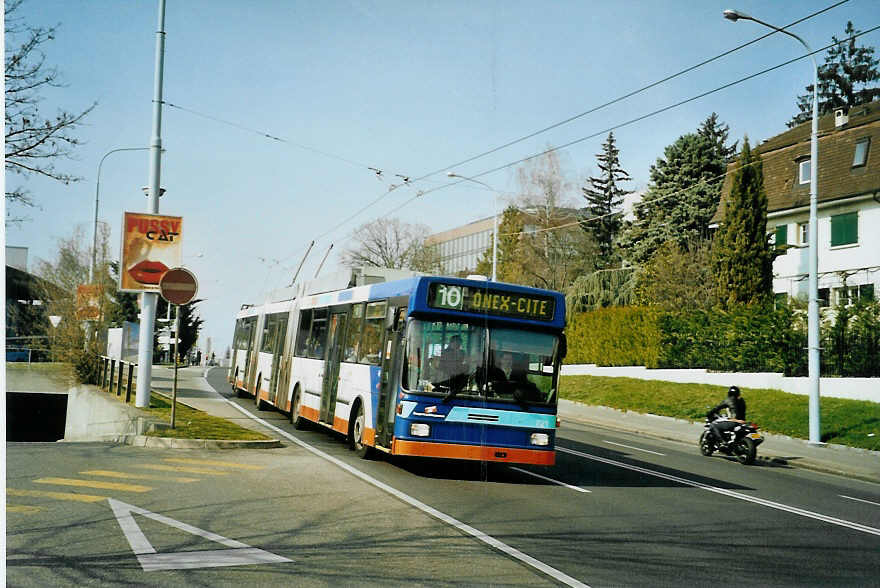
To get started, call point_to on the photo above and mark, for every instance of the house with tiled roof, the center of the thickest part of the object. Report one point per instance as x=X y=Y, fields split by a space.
x=848 y=200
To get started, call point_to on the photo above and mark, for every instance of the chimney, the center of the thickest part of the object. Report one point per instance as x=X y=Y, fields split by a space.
x=840 y=117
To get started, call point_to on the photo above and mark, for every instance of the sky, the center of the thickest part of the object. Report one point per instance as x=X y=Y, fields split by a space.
x=276 y=111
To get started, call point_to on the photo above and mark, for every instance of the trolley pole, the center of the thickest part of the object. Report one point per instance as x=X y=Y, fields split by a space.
x=149 y=299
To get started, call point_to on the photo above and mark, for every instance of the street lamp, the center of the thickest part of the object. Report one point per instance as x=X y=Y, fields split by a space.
x=813 y=237
x=495 y=220
x=97 y=193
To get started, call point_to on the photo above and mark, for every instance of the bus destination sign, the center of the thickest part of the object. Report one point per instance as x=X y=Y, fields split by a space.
x=489 y=301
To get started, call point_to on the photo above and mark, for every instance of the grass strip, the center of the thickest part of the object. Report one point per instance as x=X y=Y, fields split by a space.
x=855 y=423
x=190 y=423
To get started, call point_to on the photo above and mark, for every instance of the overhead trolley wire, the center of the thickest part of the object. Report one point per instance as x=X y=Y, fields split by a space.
x=625 y=96
x=630 y=121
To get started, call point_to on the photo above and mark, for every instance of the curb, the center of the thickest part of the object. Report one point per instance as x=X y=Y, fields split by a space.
x=174 y=443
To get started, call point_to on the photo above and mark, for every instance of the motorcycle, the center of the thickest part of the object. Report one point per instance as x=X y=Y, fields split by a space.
x=741 y=441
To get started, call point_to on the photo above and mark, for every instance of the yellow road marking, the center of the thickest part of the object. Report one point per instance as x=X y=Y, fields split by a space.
x=94 y=484
x=128 y=476
x=168 y=468
x=55 y=495
x=22 y=509
x=222 y=464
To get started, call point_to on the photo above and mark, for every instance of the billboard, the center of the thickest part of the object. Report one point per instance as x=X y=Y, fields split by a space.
x=151 y=244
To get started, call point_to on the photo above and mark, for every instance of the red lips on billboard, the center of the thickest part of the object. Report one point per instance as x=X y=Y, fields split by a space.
x=148 y=272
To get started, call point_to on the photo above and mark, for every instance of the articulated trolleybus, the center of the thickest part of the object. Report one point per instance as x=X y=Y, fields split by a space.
x=426 y=366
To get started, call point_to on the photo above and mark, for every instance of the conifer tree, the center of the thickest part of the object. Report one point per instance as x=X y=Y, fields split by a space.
x=742 y=257
x=604 y=198
x=681 y=199
x=717 y=132
x=848 y=77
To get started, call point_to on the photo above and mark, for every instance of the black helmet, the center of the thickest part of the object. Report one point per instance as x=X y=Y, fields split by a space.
x=733 y=391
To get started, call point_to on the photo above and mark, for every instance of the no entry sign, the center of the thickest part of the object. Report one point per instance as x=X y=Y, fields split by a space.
x=178 y=286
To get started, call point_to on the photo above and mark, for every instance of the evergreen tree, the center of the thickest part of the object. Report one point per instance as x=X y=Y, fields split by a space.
x=604 y=198
x=848 y=77
x=681 y=199
x=717 y=132
x=742 y=258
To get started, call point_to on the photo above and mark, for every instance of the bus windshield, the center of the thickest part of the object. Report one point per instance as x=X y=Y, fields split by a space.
x=452 y=359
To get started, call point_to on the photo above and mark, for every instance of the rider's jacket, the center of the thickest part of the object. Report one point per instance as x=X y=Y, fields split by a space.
x=736 y=406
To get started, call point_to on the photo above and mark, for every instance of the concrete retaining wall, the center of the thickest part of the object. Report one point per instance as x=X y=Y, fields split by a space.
x=853 y=388
x=94 y=416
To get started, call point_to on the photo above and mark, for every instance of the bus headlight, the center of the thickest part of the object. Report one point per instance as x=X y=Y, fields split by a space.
x=540 y=439
x=420 y=430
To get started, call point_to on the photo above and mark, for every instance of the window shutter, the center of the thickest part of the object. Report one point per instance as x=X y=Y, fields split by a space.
x=844 y=229
x=781 y=235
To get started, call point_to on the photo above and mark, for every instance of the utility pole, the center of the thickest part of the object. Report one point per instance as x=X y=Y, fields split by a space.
x=149 y=299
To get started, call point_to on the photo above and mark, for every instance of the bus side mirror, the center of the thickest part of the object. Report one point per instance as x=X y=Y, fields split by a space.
x=563 y=346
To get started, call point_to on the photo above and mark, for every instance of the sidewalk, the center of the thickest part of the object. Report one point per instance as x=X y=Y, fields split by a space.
x=834 y=459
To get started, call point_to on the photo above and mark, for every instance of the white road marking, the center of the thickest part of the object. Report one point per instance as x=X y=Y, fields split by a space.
x=729 y=493
x=633 y=448
x=238 y=553
x=576 y=488
x=464 y=528
x=859 y=500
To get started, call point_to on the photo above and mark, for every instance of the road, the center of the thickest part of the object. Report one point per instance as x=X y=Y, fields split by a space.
x=616 y=510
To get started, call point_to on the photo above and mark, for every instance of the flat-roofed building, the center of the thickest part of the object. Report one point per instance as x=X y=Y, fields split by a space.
x=461 y=248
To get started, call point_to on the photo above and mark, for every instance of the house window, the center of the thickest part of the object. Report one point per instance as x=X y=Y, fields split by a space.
x=804 y=171
x=803 y=233
x=860 y=157
x=781 y=235
x=866 y=292
x=824 y=297
x=846 y=295
x=845 y=229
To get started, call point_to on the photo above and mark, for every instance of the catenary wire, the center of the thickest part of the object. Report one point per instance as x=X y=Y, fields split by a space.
x=624 y=97
x=628 y=122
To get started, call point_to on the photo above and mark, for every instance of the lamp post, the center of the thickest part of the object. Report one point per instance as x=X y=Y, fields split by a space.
x=97 y=194
x=813 y=238
x=495 y=220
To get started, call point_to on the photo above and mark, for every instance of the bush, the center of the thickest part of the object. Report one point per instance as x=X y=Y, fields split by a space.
x=851 y=342
x=743 y=338
x=621 y=335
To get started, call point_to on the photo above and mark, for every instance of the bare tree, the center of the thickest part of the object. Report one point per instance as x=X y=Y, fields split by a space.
x=552 y=250
x=391 y=243
x=33 y=142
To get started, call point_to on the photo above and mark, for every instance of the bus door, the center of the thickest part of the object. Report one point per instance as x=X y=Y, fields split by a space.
x=336 y=334
x=250 y=361
x=392 y=360
x=277 y=353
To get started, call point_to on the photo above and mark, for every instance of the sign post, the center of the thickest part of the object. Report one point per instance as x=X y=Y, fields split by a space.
x=178 y=286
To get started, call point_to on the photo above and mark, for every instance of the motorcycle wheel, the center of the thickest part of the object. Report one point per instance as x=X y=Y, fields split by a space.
x=745 y=451
x=706 y=447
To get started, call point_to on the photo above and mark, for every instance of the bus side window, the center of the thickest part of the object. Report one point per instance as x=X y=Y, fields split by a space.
x=318 y=338
x=353 y=337
x=302 y=337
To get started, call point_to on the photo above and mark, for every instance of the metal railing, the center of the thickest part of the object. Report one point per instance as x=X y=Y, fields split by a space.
x=113 y=373
x=35 y=348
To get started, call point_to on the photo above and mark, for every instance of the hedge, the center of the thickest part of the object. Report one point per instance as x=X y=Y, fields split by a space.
x=746 y=338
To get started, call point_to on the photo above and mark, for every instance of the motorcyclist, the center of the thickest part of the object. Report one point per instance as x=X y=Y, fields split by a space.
x=736 y=408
